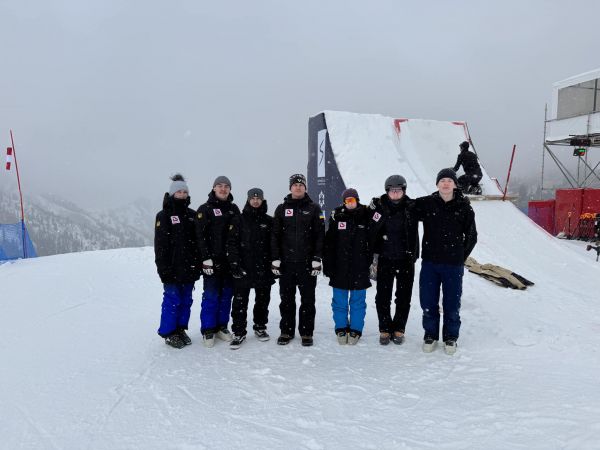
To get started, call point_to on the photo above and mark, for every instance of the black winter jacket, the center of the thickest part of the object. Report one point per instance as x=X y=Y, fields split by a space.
x=214 y=218
x=176 y=252
x=449 y=233
x=249 y=246
x=394 y=230
x=469 y=162
x=347 y=253
x=298 y=231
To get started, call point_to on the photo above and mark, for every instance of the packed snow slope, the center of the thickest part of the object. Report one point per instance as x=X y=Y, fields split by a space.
x=82 y=366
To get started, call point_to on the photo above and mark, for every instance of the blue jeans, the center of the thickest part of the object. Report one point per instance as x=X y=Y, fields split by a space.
x=216 y=303
x=356 y=306
x=450 y=278
x=176 y=306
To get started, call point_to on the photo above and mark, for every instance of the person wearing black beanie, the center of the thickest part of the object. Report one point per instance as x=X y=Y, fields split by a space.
x=449 y=236
x=469 y=182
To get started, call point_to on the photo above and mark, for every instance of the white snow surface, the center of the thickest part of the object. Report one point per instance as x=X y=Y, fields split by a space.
x=83 y=368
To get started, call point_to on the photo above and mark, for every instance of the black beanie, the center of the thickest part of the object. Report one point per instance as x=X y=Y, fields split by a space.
x=464 y=145
x=446 y=173
x=297 y=178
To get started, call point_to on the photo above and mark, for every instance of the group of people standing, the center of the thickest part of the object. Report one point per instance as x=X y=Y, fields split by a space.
x=240 y=251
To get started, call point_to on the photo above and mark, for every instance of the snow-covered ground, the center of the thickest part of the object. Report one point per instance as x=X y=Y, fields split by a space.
x=83 y=368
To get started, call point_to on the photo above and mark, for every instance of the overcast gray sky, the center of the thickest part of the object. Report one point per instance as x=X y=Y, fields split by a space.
x=108 y=98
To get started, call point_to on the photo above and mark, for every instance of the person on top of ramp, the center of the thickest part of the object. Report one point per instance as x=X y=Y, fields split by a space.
x=469 y=182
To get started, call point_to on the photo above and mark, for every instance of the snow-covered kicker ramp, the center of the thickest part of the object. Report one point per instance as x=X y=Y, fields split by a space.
x=361 y=150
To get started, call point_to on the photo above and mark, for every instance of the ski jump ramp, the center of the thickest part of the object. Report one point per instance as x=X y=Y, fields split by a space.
x=362 y=150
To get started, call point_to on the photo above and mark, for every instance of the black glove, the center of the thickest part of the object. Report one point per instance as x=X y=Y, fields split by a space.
x=237 y=272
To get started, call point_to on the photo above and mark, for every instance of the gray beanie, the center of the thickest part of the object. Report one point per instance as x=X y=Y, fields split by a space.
x=256 y=193
x=178 y=184
x=222 y=180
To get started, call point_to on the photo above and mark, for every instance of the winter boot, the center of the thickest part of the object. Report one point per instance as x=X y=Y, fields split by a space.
x=450 y=347
x=236 y=342
x=174 y=340
x=262 y=335
x=224 y=335
x=307 y=341
x=384 y=338
x=284 y=339
x=184 y=337
x=209 y=339
x=342 y=337
x=398 y=338
x=429 y=345
x=353 y=338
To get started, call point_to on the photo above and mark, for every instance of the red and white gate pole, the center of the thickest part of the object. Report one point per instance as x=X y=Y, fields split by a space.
x=14 y=154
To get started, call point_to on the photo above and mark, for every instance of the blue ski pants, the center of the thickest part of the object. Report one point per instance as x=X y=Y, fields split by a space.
x=349 y=309
x=216 y=303
x=449 y=277
x=176 y=306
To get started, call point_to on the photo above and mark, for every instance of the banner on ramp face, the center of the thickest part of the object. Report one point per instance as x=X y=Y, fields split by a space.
x=325 y=184
x=321 y=144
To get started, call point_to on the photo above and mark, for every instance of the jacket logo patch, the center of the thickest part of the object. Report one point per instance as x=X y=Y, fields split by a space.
x=289 y=212
x=199 y=215
x=157 y=223
x=217 y=212
x=263 y=225
x=341 y=225
x=175 y=219
x=376 y=217
x=306 y=213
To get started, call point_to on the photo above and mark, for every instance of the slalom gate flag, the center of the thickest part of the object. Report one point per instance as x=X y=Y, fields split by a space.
x=9 y=157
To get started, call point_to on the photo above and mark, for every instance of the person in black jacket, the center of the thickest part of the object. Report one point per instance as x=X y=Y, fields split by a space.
x=395 y=243
x=449 y=237
x=296 y=251
x=346 y=262
x=469 y=182
x=177 y=261
x=249 y=255
x=214 y=218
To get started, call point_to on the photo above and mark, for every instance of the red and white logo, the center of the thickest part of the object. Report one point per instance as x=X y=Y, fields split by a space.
x=217 y=212
x=289 y=212
x=9 y=157
x=376 y=217
x=175 y=219
x=341 y=225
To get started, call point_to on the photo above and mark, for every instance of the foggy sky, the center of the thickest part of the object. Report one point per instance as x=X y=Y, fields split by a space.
x=108 y=98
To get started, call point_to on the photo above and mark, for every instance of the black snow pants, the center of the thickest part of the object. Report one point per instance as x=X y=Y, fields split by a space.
x=404 y=273
x=297 y=275
x=239 y=309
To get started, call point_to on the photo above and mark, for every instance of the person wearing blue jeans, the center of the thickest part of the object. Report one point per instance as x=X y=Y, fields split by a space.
x=346 y=262
x=178 y=262
x=449 y=236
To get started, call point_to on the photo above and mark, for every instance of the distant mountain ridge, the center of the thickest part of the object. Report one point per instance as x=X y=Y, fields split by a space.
x=58 y=226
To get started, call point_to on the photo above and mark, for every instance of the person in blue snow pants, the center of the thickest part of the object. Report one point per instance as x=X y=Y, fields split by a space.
x=215 y=218
x=347 y=259
x=178 y=262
